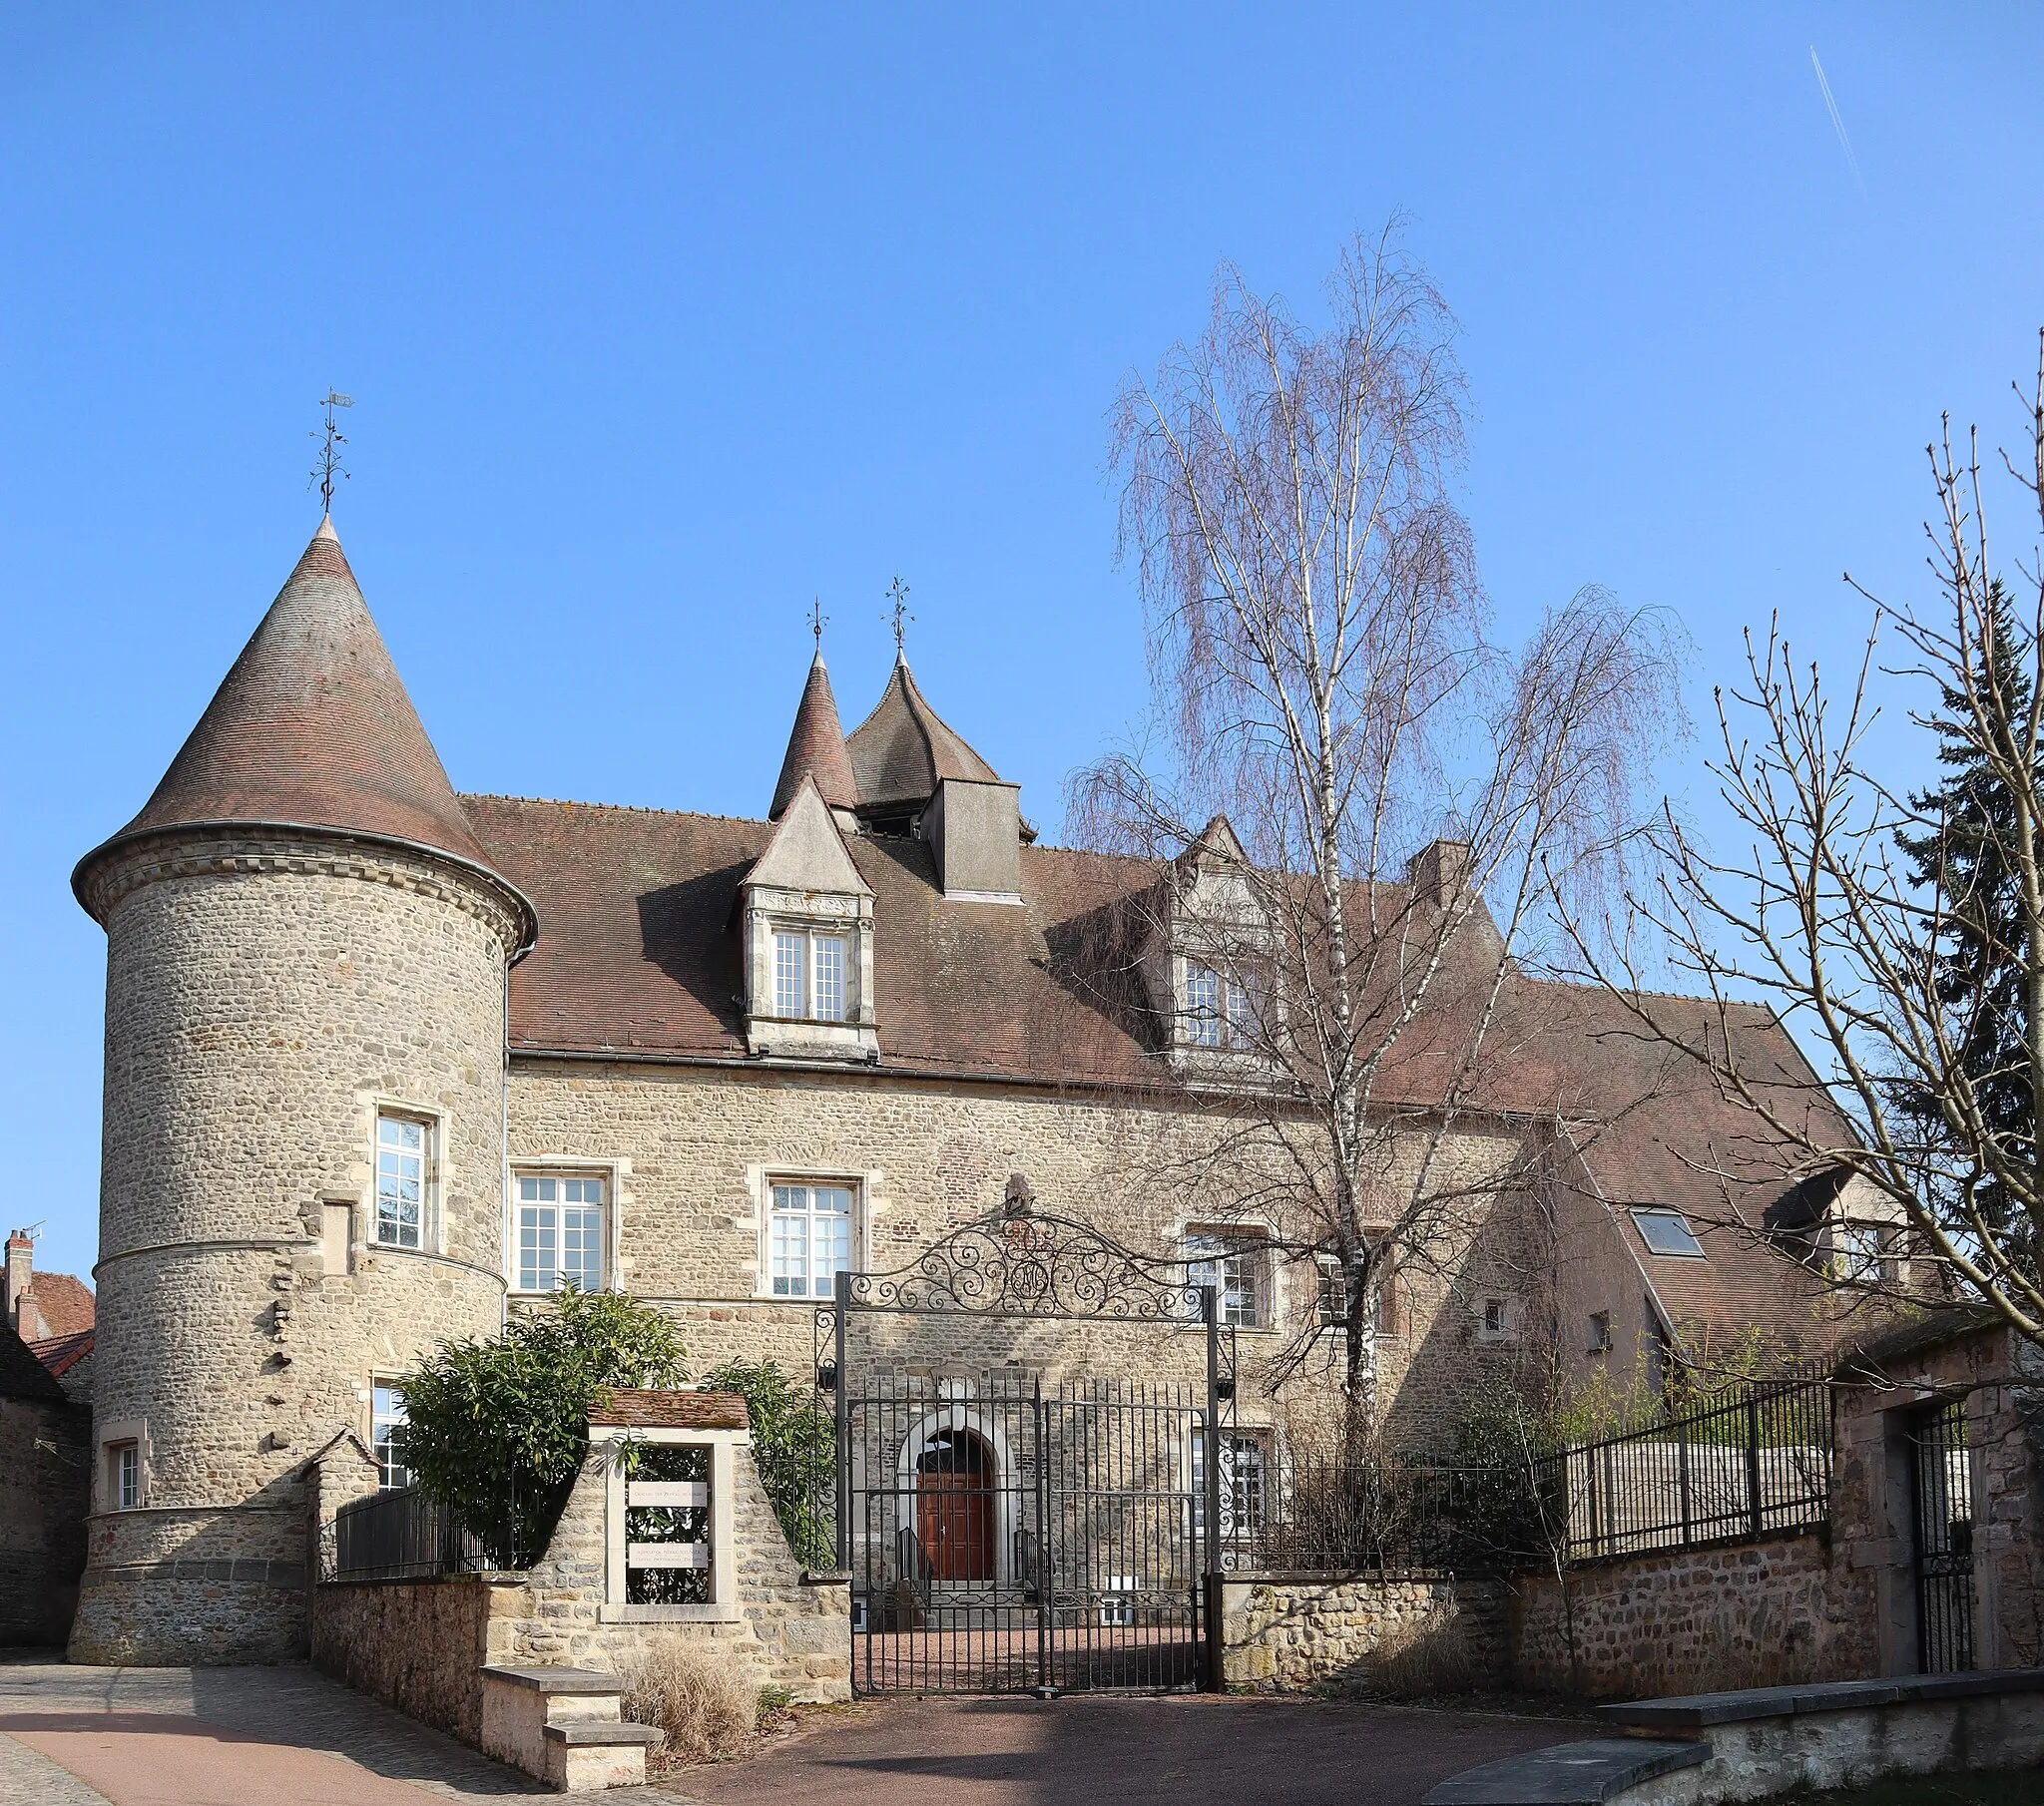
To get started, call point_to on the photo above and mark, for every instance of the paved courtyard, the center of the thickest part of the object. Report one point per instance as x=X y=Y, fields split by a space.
x=76 y=1736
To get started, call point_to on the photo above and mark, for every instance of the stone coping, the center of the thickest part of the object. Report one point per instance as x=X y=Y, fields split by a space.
x=827 y=1576
x=582 y=1734
x=558 y=1681
x=1567 y=1774
x=1337 y=1577
x=1701 y=1710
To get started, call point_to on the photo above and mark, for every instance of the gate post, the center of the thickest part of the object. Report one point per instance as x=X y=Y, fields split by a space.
x=843 y=1302
x=1209 y=1316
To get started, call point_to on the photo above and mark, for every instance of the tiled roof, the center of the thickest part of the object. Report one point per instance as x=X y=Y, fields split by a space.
x=638 y=957
x=625 y=1408
x=901 y=751
x=56 y=1304
x=62 y=1353
x=22 y=1376
x=815 y=747
x=313 y=728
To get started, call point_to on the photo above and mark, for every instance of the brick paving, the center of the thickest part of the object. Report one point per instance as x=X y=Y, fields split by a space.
x=251 y=1736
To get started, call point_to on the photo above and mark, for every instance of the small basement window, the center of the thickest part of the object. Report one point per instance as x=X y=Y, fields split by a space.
x=1667 y=1232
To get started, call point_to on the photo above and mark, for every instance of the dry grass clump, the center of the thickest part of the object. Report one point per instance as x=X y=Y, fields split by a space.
x=1425 y=1660
x=705 y=1701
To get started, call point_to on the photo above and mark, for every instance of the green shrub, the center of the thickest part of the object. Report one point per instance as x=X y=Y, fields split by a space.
x=794 y=1443
x=498 y=1428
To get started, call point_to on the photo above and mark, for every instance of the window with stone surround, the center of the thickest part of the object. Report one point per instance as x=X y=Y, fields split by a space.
x=386 y=1435
x=809 y=982
x=560 y=1232
x=668 y=1524
x=1244 y=1471
x=1236 y=1263
x=404 y=1180
x=123 y=1475
x=808 y=1237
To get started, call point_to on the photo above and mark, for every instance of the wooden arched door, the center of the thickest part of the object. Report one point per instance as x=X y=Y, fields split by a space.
x=954 y=1506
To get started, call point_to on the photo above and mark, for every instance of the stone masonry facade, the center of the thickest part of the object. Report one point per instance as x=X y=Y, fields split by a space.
x=264 y=1000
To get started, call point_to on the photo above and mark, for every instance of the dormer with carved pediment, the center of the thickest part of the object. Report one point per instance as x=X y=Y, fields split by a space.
x=807 y=921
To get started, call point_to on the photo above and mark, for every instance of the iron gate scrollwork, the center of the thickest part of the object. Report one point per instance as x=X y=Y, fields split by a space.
x=1006 y=1532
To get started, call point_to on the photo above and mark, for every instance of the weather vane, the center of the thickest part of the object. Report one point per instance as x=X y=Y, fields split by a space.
x=818 y=621
x=330 y=439
x=897 y=593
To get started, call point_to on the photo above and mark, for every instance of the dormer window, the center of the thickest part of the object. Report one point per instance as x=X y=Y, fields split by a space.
x=806 y=924
x=810 y=975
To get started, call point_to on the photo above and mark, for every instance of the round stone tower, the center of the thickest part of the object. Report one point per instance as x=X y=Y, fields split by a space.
x=302 y=1184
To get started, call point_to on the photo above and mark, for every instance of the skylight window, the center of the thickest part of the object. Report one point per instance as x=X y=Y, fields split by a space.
x=1667 y=1232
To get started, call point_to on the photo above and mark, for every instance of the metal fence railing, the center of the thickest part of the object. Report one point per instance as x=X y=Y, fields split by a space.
x=404 y=1535
x=1733 y=1469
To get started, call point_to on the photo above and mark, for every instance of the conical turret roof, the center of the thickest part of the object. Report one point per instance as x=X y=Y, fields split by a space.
x=903 y=749
x=816 y=746
x=313 y=728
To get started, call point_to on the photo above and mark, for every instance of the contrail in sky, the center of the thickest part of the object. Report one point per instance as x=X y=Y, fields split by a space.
x=1837 y=123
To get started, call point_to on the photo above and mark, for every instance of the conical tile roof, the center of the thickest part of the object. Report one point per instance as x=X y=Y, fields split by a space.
x=313 y=728
x=902 y=749
x=816 y=746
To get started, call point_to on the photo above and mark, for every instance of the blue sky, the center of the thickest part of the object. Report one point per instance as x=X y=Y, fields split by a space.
x=660 y=321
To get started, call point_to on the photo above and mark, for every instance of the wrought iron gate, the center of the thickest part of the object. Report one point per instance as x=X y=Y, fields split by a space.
x=1006 y=1532
x=1009 y=1536
x=1942 y=1486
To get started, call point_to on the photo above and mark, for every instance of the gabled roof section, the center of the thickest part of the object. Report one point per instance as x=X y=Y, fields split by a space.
x=22 y=1376
x=816 y=748
x=808 y=851
x=903 y=750
x=313 y=728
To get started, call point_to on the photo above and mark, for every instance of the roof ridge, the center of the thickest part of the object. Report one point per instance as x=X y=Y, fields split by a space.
x=616 y=808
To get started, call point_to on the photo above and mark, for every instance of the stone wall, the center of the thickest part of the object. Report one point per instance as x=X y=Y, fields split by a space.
x=789 y=1631
x=45 y=1477
x=1775 y=1613
x=691 y=1149
x=1361 y=1632
x=419 y=1645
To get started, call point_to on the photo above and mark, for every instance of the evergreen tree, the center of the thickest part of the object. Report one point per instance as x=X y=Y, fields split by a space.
x=1982 y=972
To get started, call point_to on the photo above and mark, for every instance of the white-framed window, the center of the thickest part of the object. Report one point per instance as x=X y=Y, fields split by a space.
x=1236 y=1266
x=1244 y=1470
x=386 y=1435
x=123 y=1475
x=1220 y=1008
x=404 y=1179
x=808 y=1237
x=811 y=982
x=560 y=1232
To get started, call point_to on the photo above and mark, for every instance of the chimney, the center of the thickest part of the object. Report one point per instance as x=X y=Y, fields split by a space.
x=21 y=1254
x=1440 y=872
x=975 y=831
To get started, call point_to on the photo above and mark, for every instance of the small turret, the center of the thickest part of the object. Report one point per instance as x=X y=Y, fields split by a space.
x=301 y=1190
x=815 y=748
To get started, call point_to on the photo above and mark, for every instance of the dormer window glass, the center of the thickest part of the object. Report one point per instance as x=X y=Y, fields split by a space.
x=808 y=976
x=1219 y=1008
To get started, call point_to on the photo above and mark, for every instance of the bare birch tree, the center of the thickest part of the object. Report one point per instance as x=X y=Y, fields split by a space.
x=1324 y=681
x=1907 y=954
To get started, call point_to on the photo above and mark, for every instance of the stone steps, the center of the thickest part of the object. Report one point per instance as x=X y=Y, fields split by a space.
x=566 y=1727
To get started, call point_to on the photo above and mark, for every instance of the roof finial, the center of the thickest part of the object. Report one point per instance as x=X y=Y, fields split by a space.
x=897 y=593
x=818 y=621
x=330 y=439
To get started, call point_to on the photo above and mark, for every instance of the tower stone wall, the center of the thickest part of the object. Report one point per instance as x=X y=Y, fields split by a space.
x=267 y=993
